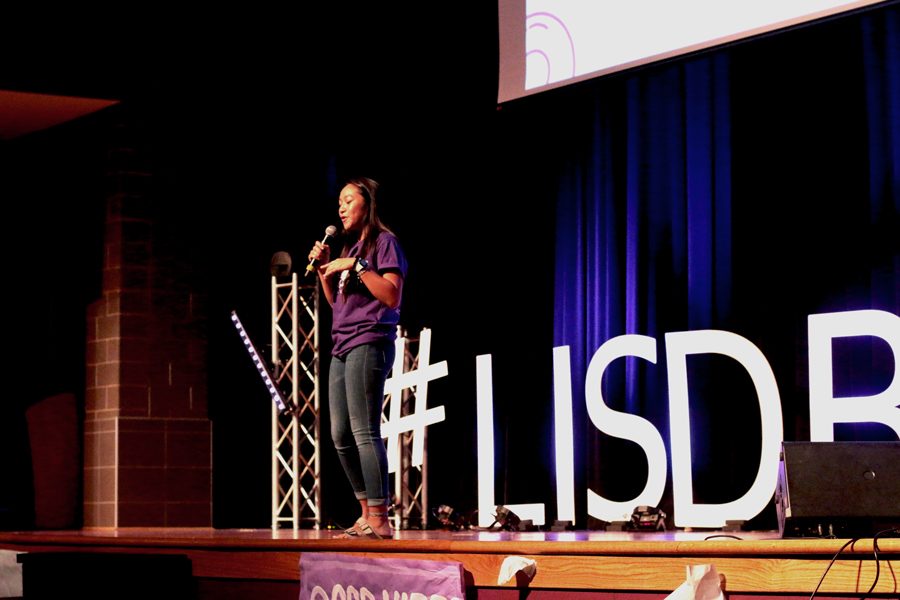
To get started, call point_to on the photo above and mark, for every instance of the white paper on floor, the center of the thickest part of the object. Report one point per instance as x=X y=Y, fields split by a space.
x=10 y=575
x=702 y=583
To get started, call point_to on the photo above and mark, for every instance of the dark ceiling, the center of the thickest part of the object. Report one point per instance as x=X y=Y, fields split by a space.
x=357 y=63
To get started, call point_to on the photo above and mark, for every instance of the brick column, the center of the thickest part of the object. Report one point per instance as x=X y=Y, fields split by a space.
x=147 y=435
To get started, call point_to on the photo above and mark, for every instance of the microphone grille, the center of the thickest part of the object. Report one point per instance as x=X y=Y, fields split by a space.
x=330 y=230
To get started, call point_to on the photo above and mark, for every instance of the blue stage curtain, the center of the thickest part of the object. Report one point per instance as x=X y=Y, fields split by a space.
x=644 y=243
x=647 y=210
x=881 y=47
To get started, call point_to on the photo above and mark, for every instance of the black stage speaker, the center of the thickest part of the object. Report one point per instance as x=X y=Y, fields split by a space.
x=106 y=576
x=842 y=489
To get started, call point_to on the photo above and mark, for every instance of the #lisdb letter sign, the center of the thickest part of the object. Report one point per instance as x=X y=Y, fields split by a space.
x=330 y=576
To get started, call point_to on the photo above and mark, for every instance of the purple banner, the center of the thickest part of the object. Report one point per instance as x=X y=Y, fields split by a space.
x=331 y=576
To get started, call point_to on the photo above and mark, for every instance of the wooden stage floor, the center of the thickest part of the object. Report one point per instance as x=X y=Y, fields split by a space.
x=584 y=563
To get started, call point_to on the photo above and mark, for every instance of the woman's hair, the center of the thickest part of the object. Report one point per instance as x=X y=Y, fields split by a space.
x=368 y=188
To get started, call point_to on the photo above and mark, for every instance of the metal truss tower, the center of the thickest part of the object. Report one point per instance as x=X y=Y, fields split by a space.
x=410 y=481
x=296 y=493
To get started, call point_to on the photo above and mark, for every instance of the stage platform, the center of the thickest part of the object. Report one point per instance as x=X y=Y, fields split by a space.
x=244 y=563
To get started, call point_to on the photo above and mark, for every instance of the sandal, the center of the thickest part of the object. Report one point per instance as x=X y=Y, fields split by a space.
x=353 y=531
x=367 y=532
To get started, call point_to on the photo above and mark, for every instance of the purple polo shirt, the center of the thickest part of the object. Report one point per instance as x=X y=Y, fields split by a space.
x=358 y=317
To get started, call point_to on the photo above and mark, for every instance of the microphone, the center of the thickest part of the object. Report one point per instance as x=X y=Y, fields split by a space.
x=329 y=232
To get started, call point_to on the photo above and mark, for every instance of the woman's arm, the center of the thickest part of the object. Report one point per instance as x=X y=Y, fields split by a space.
x=387 y=288
x=322 y=252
